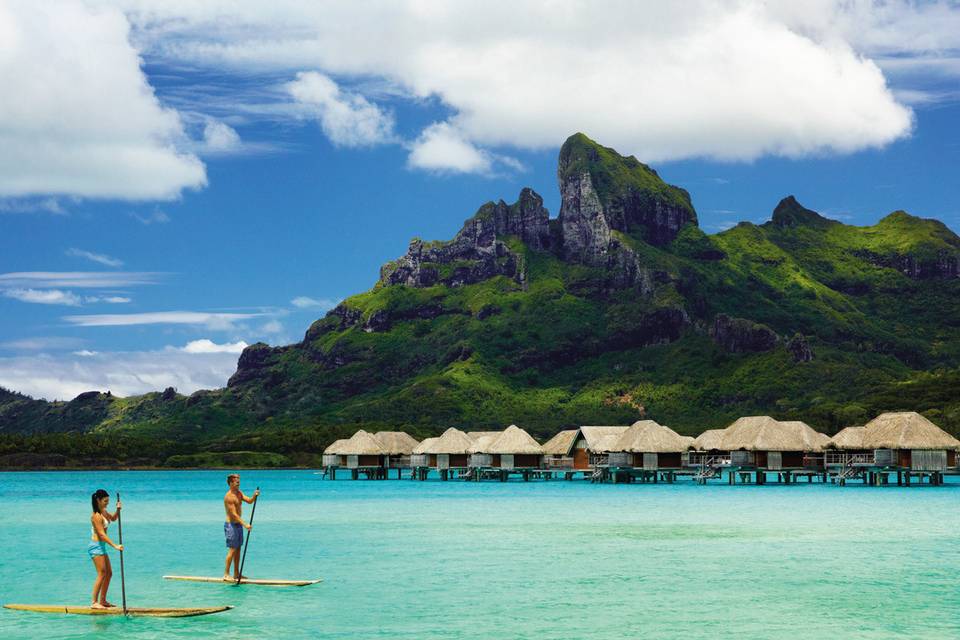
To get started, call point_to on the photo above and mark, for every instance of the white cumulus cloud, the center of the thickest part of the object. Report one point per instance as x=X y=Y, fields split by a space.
x=124 y=373
x=77 y=115
x=205 y=345
x=725 y=79
x=442 y=148
x=220 y=138
x=348 y=119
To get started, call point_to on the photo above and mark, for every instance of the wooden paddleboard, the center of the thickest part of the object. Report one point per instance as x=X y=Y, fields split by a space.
x=156 y=612
x=265 y=583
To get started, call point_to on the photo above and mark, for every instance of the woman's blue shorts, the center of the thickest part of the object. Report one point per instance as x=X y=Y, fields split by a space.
x=97 y=549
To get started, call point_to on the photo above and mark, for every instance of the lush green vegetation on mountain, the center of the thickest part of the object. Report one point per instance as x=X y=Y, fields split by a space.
x=694 y=333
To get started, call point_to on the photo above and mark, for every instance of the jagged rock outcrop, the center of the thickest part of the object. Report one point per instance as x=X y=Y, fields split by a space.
x=476 y=253
x=790 y=213
x=603 y=192
x=739 y=335
x=799 y=348
x=253 y=362
x=944 y=266
x=606 y=199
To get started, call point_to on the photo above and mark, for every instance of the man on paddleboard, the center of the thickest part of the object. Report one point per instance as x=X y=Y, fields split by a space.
x=234 y=526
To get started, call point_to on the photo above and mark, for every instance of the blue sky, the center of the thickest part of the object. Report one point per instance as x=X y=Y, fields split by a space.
x=236 y=175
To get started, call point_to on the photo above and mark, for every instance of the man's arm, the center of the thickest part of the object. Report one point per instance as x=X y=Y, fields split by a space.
x=250 y=499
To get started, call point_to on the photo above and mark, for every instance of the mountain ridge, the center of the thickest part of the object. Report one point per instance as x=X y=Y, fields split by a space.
x=620 y=307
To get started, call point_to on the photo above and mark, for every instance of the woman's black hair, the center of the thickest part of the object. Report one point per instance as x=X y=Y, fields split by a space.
x=96 y=497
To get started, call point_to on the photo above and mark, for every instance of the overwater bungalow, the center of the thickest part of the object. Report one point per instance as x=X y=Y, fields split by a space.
x=397 y=447
x=420 y=459
x=705 y=450
x=512 y=450
x=557 y=450
x=910 y=444
x=647 y=448
x=476 y=454
x=332 y=457
x=371 y=453
x=362 y=453
x=445 y=453
x=758 y=444
x=581 y=449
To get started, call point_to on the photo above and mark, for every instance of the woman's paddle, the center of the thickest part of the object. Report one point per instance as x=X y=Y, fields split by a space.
x=246 y=542
x=123 y=582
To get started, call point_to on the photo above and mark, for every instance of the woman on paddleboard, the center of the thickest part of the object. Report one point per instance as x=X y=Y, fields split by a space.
x=97 y=549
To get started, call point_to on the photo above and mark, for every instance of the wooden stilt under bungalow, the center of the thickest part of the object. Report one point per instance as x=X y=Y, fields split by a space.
x=512 y=451
x=648 y=451
x=760 y=444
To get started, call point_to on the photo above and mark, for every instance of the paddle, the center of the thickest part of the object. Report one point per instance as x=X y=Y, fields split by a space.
x=123 y=582
x=246 y=542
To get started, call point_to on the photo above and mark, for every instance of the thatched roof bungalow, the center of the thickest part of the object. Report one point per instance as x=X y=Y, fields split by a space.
x=556 y=450
x=709 y=440
x=420 y=457
x=362 y=450
x=765 y=443
x=514 y=448
x=847 y=439
x=908 y=439
x=650 y=446
x=583 y=447
x=448 y=451
x=331 y=455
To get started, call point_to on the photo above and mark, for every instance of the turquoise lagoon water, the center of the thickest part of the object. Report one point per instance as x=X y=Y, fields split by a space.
x=491 y=560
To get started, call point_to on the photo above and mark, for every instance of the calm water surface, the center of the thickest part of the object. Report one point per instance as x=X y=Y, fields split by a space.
x=490 y=560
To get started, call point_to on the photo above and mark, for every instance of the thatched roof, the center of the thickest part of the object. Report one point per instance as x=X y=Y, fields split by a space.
x=820 y=440
x=453 y=441
x=763 y=433
x=906 y=430
x=361 y=444
x=481 y=440
x=396 y=443
x=560 y=444
x=424 y=445
x=476 y=435
x=709 y=440
x=646 y=436
x=513 y=440
x=606 y=443
x=599 y=437
x=334 y=447
x=848 y=438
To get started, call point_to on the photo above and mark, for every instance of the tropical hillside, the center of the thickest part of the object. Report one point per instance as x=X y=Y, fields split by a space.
x=618 y=308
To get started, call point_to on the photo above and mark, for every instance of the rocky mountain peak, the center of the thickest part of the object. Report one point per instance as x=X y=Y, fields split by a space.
x=603 y=191
x=790 y=213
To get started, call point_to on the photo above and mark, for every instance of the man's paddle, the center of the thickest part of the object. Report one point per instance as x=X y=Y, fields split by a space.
x=246 y=542
x=123 y=582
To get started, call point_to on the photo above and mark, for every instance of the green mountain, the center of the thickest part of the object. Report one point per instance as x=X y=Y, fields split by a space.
x=618 y=308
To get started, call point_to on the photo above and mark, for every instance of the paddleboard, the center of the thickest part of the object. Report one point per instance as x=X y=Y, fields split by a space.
x=156 y=612
x=265 y=583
